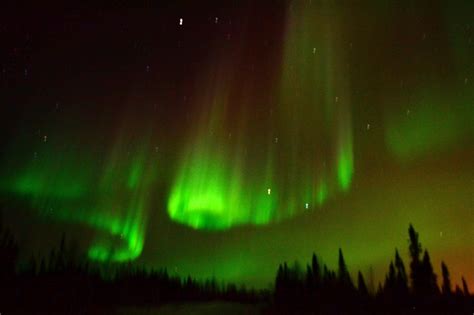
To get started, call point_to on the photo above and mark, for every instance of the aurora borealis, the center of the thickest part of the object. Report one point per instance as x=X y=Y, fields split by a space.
x=220 y=140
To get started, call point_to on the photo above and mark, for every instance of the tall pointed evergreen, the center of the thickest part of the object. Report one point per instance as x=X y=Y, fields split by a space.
x=465 y=289
x=446 y=285
x=279 y=279
x=390 y=280
x=402 y=279
x=309 y=278
x=361 y=286
x=415 y=263
x=316 y=270
x=428 y=276
x=344 y=277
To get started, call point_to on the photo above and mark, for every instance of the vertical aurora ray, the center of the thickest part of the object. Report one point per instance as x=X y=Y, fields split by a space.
x=211 y=193
x=207 y=183
x=216 y=186
x=62 y=183
x=345 y=159
x=200 y=194
x=315 y=107
x=220 y=184
x=124 y=202
x=322 y=192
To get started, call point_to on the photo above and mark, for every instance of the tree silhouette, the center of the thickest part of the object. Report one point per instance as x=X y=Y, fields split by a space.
x=446 y=285
x=309 y=278
x=429 y=284
x=316 y=271
x=390 y=280
x=361 y=286
x=458 y=291
x=402 y=279
x=343 y=275
x=465 y=289
x=66 y=282
x=415 y=263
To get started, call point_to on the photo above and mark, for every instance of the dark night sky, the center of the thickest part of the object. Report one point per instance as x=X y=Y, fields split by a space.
x=222 y=139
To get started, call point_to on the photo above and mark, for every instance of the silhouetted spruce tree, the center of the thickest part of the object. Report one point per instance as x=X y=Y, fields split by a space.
x=446 y=285
x=390 y=283
x=465 y=289
x=415 y=263
x=380 y=290
x=282 y=284
x=326 y=277
x=316 y=271
x=309 y=278
x=345 y=287
x=402 y=279
x=430 y=286
x=329 y=292
x=400 y=292
x=344 y=277
x=61 y=255
x=361 y=286
x=296 y=281
x=279 y=277
x=315 y=279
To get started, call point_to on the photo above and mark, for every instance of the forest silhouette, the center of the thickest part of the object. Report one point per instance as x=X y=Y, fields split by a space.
x=67 y=282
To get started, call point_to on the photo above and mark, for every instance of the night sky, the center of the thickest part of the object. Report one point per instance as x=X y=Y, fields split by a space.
x=223 y=139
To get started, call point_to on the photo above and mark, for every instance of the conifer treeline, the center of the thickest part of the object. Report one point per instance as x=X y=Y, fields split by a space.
x=67 y=282
x=320 y=289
